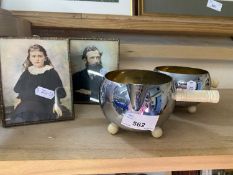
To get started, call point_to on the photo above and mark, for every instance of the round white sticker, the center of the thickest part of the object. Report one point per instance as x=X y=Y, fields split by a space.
x=191 y=85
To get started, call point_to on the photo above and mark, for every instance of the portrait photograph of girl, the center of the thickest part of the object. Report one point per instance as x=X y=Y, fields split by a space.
x=36 y=84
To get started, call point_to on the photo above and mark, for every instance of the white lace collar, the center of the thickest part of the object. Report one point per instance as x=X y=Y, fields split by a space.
x=35 y=71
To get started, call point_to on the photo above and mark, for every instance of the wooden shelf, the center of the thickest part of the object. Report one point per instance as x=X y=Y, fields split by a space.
x=165 y=24
x=13 y=26
x=200 y=141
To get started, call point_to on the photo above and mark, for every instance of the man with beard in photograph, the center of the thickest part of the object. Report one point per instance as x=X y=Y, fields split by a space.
x=86 y=82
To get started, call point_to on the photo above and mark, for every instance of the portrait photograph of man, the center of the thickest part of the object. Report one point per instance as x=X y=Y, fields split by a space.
x=91 y=60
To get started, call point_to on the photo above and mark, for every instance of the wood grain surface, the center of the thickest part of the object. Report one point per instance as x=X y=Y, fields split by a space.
x=161 y=24
x=13 y=26
x=191 y=141
x=176 y=51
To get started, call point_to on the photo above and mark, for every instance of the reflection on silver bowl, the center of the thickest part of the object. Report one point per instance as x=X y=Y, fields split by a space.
x=136 y=100
x=187 y=78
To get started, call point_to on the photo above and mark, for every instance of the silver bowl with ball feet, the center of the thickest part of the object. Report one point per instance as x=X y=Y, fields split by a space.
x=139 y=100
x=187 y=78
x=136 y=100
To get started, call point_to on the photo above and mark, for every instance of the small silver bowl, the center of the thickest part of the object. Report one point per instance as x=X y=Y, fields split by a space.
x=187 y=78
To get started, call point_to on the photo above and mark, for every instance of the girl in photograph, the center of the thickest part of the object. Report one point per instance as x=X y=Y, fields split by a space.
x=39 y=89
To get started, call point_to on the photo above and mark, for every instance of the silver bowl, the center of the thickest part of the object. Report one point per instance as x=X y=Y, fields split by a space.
x=187 y=78
x=129 y=98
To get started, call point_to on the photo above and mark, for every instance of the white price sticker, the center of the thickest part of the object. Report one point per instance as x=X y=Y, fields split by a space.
x=43 y=92
x=191 y=85
x=214 y=5
x=138 y=121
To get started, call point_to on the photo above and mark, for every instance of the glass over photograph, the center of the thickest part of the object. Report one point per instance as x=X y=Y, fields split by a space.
x=36 y=83
x=91 y=60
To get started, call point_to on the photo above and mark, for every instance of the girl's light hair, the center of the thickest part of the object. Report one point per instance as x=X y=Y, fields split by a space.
x=36 y=47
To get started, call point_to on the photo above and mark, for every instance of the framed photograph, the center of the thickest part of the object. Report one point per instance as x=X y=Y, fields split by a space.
x=91 y=59
x=36 y=81
x=114 y=7
x=183 y=8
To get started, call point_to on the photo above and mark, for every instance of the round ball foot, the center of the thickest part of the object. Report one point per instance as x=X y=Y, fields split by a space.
x=158 y=132
x=214 y=83
x=113 y=128
x=192 y=109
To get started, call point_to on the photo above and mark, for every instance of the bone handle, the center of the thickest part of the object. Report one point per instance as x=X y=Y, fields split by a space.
x=208 y=96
